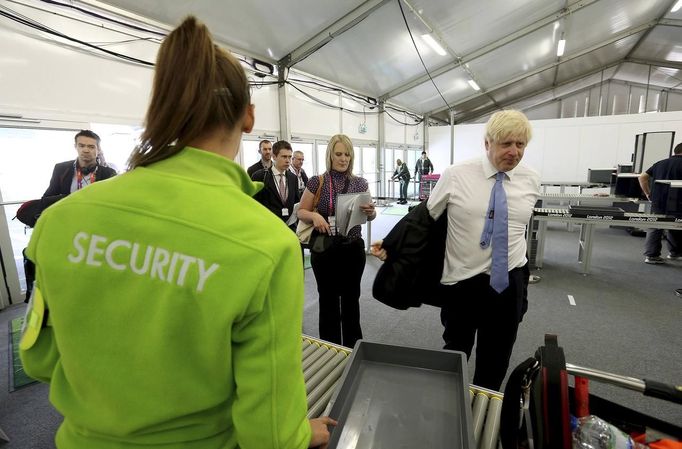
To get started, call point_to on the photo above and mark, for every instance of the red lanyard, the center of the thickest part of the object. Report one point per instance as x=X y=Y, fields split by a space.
x=331 y=194
x=79 y=178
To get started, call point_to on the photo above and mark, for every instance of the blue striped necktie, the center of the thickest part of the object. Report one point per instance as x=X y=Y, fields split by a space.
x=495 y=232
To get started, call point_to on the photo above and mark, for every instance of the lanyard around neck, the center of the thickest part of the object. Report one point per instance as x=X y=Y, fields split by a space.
x=79 y=177
x=331 y=192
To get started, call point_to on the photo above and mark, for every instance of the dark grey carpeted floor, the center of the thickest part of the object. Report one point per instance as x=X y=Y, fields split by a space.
x=626 y=320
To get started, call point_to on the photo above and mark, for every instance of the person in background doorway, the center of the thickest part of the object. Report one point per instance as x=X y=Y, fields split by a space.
x=337 y=261
x=423 y=167
x=402 y=174
x=670 y=169
x=70 y=176
x=265 y=162
x=297 y=169
x=280 y=191
x=146 y=321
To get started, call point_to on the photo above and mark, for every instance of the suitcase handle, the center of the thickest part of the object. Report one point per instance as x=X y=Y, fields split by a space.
x=672 y=393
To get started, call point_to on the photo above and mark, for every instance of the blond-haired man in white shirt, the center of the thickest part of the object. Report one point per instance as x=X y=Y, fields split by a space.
x=479 y=302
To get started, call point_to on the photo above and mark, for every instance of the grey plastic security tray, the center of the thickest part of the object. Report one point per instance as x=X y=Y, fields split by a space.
x=400 y=397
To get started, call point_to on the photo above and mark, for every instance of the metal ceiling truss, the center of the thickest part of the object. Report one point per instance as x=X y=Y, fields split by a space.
x=473 y=116
x=644 y=36
x=339 y=27
x=655 y=63
x=488 y=48
x=443 y=44
x=479 y=114
x=622 y=35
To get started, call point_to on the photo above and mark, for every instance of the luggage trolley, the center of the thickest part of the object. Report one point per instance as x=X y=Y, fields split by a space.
x=426 y=185
x=538 y=402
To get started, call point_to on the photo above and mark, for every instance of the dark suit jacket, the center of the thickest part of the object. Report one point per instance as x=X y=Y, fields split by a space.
x=411 y=274
x=255 y=167
x=269 y=196
x=62 y=176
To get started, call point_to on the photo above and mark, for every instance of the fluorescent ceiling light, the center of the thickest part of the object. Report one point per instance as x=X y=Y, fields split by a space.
x=677 y=6
x=473 y=85
x=433 y=44
x=560 y=48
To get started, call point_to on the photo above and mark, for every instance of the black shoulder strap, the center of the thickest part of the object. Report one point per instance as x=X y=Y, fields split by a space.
x=512 y=404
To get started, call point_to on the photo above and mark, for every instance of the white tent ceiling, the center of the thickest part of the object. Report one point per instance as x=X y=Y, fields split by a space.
x=507 y=46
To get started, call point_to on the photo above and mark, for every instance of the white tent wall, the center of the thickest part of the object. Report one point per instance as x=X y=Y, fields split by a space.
x=440 y=147
x=266 y=101
x=39 y=79
x=674 y=101
x=563 y=149
x=44 y=81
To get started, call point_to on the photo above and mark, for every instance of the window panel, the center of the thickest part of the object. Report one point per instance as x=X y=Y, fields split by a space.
x=321 y=149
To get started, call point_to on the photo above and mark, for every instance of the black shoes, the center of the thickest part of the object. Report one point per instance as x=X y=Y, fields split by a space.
x=402 y=202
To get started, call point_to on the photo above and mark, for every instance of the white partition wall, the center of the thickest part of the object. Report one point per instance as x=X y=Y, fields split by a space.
x=563 y=149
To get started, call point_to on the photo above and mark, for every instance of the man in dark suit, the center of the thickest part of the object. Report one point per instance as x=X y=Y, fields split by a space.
x=265 y=162
x=281 y=185
x=297 y=169
x=69 y=176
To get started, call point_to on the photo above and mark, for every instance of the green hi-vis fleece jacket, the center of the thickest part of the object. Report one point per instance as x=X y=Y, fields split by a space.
x=175 y=310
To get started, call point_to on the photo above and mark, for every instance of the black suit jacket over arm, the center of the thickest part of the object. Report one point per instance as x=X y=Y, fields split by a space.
x=411 y=274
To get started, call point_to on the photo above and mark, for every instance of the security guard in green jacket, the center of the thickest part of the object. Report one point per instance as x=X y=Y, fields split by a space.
x=168 y=303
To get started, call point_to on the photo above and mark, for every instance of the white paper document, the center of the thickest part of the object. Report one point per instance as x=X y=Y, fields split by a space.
x=293 y=218
x=348 y=212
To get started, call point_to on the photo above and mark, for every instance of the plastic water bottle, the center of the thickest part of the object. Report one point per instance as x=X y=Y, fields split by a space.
x=591 y=432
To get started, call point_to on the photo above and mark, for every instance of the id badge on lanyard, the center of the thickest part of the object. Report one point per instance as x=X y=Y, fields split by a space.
x=332 y=224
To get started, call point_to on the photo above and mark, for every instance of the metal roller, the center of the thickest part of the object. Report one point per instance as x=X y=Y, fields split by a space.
x=319 y=376
x=491 y=432
x=327 y=383
x=309 y=350
x=319 y=363
x=478 y=414
x=321 y=404
x=312 y=358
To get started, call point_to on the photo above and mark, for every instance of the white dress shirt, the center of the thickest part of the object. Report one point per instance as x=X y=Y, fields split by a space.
x=464 y=189
x=276 y=174
x=301 y=184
